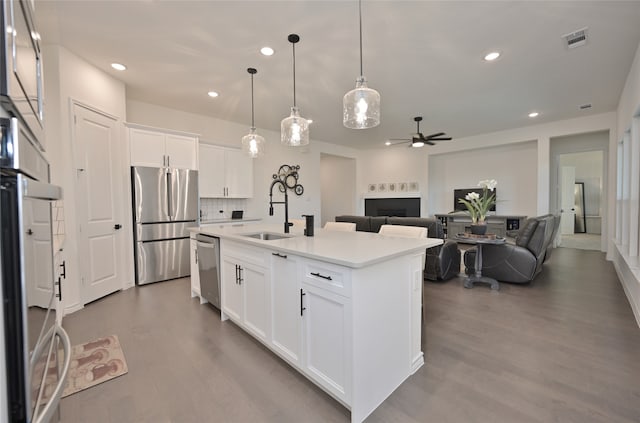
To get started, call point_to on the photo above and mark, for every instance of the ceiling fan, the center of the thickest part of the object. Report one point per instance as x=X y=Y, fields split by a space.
x=419 y=140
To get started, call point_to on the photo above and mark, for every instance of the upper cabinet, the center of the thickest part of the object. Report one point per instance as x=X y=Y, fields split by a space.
x=224 y=173
x=154 y=147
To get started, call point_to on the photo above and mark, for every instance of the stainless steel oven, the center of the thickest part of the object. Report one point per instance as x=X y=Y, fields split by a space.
x=21 y=86
x=32 y=338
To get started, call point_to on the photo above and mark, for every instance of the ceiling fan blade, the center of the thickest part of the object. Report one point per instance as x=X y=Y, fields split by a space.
x=440 y=139
x=398 y=142
x=437 y=134
x=430 y=142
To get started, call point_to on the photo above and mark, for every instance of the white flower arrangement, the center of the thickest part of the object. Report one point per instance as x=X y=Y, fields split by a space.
x=478 y=205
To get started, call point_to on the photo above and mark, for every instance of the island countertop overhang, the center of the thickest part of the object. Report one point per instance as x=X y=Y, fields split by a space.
x=350 y=249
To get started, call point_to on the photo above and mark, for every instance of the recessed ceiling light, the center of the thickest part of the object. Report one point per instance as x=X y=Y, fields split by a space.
x=490 y=57
x=118 y=66
x=534 y=114
x=267 y=51
x=387 y=143
x=212 y=94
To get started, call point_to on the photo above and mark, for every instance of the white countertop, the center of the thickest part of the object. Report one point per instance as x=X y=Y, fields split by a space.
x=229 y=220
x=351 y=249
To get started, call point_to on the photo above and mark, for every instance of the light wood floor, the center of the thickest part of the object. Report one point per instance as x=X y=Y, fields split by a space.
x=565 y=348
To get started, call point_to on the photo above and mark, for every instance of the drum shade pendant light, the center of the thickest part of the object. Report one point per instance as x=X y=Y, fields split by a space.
x=361 y=106
x=252 y=143
x=294 y=130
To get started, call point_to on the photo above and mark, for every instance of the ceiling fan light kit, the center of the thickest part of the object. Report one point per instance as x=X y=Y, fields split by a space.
x=252 y=143
x=294 y=130
x=361 y=106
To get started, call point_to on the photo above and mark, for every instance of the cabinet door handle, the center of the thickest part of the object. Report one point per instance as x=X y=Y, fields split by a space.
x=196 y=256
x=63 y=275
x=321 y=276
x=117 y=226
x=237 y=274
x=240 y=279
x=59 y=284
x=284 y=256
x=302 y=308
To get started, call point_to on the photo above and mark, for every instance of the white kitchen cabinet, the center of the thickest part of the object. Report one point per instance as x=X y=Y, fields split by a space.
x=245 y=290
x=224 y=172
x=286 y=305
x=231 y=298
x=327 y=339
x=311 y=312
x=195 y=273
x=162 y=148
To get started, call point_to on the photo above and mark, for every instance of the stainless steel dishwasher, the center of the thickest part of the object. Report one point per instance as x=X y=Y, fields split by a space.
x=209 y=268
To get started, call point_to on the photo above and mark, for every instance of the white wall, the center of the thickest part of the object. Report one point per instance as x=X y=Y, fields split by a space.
x=221 y=132
x=66 y=78
x=628 y=121
x=338 y=186
x=514 y=166
x=397 y=163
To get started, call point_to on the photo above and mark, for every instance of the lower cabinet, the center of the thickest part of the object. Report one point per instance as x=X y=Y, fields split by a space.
x=286 y=325
x=245 y=293
x=310 y=322
x=327 y=339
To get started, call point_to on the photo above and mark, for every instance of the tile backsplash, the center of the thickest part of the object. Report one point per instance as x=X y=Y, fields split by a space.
x=57 y=217
x=210 y=207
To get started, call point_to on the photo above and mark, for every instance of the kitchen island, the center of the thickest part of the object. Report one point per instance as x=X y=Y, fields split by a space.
x=343 y=308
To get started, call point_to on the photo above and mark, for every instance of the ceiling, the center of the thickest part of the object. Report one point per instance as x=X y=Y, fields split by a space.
x=424 y=57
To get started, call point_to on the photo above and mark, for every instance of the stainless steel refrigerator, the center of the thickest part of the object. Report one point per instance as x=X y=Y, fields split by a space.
x=165 y=206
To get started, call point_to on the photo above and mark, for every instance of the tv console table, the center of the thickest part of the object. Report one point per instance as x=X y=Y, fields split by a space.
x=460 y=222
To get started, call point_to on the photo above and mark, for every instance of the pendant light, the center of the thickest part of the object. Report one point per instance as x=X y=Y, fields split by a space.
x=361 y=106
x=294 y=130
x=252 y=143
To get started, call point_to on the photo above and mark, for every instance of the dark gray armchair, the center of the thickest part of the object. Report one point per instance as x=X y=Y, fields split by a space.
x=521 y=261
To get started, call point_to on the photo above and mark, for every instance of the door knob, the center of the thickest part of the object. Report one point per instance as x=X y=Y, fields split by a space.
x=117 y=226
x=29 y=232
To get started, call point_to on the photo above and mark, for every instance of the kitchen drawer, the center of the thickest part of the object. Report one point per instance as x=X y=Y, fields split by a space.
x=244 y=252
x=327 y=276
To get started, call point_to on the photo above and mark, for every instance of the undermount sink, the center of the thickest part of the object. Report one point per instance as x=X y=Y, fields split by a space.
x=266 y=236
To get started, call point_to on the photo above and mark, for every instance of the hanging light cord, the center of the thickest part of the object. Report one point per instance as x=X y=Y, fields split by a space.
x=294 y=73
x=252 y=116
x=360 y=15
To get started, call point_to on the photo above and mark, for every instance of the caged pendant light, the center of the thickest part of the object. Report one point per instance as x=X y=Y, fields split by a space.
x=294 y=130
x=252 y=143
x=361 y=106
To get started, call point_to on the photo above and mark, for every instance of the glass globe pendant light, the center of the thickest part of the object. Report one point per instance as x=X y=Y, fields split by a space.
x=361 y=106
x=294 y=130
x=252 y=143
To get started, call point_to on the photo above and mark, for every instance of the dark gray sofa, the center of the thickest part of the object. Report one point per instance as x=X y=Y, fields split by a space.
x=442 y=262
x=521 y=261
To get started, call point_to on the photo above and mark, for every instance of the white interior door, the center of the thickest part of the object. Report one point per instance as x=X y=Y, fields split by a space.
x=567 y=196
x=100 y=201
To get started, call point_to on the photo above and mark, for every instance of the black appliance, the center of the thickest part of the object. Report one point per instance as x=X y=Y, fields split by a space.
x=32 y=338
x=21 y=87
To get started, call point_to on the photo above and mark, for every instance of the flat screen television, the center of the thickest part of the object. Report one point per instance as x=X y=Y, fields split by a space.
x=461 y=193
